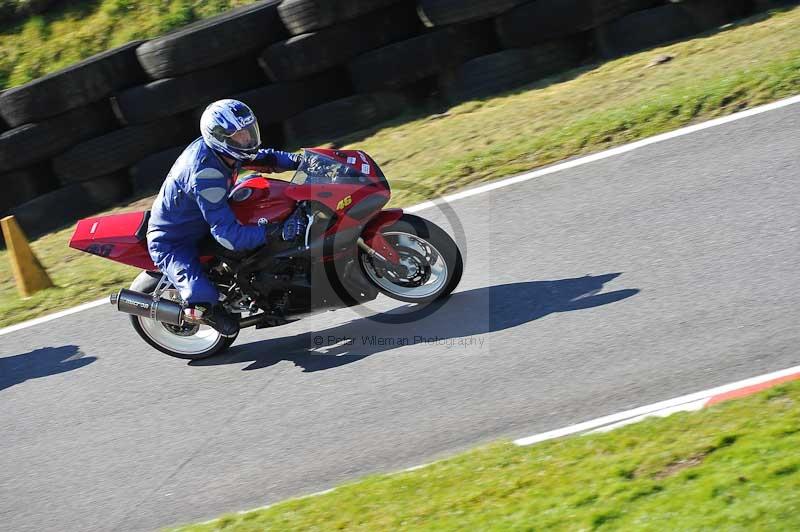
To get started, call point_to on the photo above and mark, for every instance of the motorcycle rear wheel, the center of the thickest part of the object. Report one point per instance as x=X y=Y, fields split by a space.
x=191 y=343
x=431 y=257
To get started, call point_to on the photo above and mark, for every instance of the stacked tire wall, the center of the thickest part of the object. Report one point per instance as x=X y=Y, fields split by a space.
x=91 y=135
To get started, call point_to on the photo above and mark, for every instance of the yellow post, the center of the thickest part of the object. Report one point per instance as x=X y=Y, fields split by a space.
x=28 y=271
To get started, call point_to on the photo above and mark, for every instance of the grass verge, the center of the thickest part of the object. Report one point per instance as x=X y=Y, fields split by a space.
x=588 y=110
x=76 y=30
x=732 y=467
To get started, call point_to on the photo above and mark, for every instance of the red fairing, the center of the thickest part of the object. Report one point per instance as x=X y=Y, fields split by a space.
x=256 y=199
x=261 y=198
x=118 y=237
x=338 y=198
x=275 y=199
x=382 y=219
x=342 y=198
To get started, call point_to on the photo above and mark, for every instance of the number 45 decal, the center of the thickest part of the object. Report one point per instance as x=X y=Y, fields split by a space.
x=344 y=203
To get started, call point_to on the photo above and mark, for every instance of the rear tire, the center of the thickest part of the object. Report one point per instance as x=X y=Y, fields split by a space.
x=148 y=329
x=442 y=244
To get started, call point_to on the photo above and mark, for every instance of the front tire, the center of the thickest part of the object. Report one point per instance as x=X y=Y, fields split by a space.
x=431 y=258
x=191 y=343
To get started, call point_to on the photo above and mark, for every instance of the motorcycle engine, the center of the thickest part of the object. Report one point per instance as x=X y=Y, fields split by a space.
x=275 y=283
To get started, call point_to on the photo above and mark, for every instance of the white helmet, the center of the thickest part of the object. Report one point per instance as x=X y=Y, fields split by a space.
x=230 y=128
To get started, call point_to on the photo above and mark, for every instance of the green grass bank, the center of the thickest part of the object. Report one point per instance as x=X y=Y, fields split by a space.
x=594 y=108
x=734 y=466
x=76 y=30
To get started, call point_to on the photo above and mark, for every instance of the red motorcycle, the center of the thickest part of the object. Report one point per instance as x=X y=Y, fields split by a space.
x=353 y=249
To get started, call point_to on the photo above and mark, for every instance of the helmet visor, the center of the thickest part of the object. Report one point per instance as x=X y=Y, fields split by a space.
x=245 y=139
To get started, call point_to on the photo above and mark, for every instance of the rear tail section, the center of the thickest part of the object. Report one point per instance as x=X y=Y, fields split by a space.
x=118 y=237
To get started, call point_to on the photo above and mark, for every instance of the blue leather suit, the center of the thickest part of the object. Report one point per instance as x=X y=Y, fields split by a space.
x=193 y=202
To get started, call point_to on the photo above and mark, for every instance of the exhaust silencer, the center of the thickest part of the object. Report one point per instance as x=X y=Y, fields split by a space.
x=139 y=304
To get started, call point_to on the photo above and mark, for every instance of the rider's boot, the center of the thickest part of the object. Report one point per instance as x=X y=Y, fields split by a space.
x=216 y=317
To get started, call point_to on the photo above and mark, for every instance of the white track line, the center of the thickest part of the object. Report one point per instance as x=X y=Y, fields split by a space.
x=688 y=402
x=51 y=317
x=509 y=181
x=686 y=407
x=608 y=153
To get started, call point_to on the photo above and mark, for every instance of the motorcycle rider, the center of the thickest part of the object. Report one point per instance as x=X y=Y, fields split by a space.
x=193 y=202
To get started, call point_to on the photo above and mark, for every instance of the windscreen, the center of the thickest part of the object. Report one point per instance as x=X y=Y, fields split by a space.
x=316 y=169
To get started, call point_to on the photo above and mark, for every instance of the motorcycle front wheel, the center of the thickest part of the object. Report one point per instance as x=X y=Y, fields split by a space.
x=192 y=342
x=430 y=262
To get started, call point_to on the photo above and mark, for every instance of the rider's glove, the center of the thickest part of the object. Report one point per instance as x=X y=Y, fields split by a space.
x=277 y=161
x=296 y=159
x=294 y=226
x=270 y=229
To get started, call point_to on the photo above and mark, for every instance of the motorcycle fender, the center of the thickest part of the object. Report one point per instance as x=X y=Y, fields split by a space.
x=374 y=238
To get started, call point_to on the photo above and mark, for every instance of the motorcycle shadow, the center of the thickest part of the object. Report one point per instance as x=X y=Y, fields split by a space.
x=463 y=315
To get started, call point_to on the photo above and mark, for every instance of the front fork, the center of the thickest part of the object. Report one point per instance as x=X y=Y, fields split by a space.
x=372 y=241
x=381 y=264
x=371 y=252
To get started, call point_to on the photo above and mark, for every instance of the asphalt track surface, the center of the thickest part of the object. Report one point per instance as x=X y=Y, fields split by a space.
x=660 y=272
